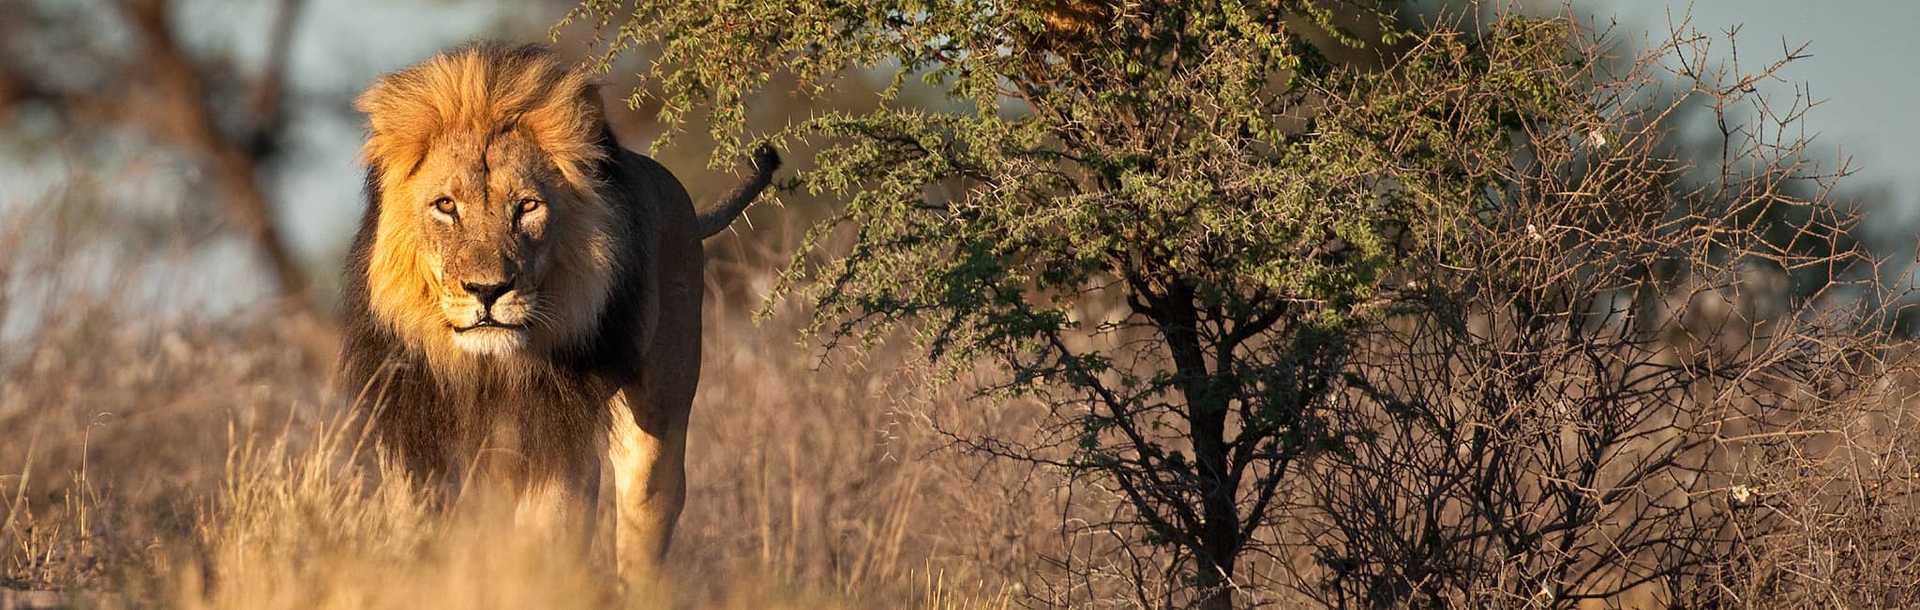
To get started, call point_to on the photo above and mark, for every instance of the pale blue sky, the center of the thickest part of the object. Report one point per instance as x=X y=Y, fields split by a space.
x=1864 y=70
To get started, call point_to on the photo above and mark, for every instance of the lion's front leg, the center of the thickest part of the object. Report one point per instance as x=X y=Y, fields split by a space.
x=647 y=446
x=564 y=505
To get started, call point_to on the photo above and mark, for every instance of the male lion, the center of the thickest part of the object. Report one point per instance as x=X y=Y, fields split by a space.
x=523 y=294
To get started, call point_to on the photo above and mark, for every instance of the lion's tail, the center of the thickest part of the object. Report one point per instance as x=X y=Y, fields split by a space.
x=715 y=220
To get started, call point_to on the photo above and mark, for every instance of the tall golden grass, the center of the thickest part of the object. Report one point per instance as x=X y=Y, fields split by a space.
x=159 y=453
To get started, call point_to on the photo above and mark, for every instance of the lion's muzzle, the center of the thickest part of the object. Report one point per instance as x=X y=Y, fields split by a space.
x=488 y=317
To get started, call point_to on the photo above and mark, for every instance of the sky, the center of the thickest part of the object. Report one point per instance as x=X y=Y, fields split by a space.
x=1864 y=70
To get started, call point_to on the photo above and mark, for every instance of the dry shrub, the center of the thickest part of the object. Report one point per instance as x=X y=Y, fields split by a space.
x=1643 y=379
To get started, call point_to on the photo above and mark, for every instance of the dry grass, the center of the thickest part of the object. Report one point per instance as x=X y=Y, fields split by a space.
x=181 y=461
x=155 y=455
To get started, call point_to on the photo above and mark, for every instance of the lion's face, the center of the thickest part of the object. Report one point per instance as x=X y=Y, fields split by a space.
x=485 y=209
x=492 y=240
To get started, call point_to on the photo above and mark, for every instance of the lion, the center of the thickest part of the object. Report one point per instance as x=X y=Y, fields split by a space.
x=522 y=298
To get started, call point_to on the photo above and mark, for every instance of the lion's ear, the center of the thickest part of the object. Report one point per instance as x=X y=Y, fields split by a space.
x=609 y=144
x=590 y=95
x=599 y=105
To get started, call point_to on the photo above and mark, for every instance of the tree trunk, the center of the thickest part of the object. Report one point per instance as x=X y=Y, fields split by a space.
x=1220 y=538
x=1207 y=405
x=189 y=120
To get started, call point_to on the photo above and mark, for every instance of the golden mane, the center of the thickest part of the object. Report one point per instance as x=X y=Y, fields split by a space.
x=474 y=91
x=479 y=89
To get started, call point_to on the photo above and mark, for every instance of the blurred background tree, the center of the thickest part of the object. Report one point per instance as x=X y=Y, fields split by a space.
x=229 y=124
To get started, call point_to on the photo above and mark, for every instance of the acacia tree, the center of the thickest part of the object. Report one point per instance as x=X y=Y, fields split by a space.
x=1150 y=153
x=1168 y=222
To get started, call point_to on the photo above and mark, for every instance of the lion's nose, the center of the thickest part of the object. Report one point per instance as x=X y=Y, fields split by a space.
x=486 y=293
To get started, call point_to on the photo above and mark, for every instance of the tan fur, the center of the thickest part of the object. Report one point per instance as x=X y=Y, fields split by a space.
x=520 y=317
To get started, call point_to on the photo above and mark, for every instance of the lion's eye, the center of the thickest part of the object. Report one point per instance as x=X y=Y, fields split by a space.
x=446 y=206
x=527 y=206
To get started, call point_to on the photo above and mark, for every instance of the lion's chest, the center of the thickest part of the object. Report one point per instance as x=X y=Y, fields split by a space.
x=523 y=429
